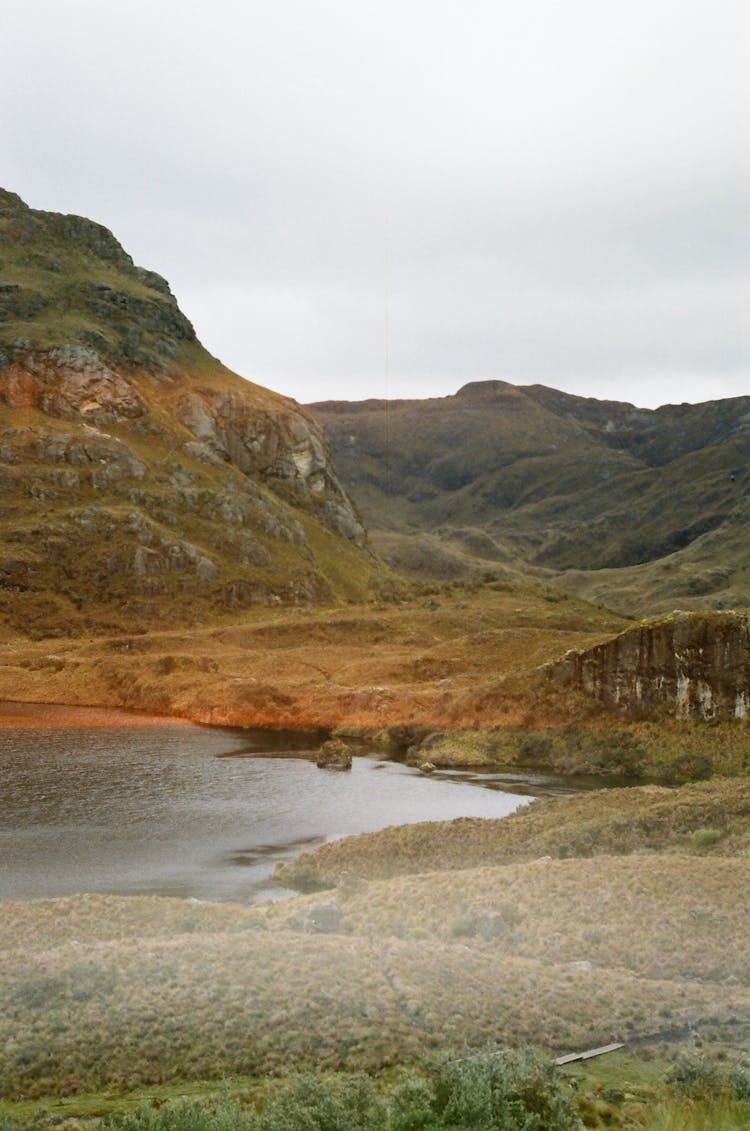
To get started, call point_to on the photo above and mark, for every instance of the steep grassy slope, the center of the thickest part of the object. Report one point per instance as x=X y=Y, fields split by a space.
x=140 y=480
x=641 y=509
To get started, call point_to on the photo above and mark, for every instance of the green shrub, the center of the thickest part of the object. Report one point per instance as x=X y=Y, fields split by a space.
x=512 y=1090
x=739 y=1081
x=311 y=1103
x=690 y=767
x=705 y=838
x=222 y=1114
x=694 y=1077
x=619 y=753
x=534 y=747
x=411 y=1106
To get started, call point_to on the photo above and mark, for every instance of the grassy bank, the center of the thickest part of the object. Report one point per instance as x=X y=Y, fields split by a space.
x=671 y=751
x=703 y=818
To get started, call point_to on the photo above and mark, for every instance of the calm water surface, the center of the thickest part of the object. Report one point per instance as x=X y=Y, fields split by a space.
x=185 y=810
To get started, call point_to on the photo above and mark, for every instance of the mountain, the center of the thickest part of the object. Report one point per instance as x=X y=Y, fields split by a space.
x=634 y=507
x=141 y=481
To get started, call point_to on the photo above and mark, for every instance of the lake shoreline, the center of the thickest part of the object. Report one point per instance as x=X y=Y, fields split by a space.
x=52 y=716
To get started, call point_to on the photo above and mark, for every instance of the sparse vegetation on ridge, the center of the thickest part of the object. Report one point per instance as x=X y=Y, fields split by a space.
x=143 y=482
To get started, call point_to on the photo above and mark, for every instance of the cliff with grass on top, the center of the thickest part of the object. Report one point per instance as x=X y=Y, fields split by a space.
x=686 y=665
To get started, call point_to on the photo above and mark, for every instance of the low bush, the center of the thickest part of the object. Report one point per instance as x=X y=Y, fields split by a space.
x=411 y=1106
x=706 y=838
x=694 y=1077
x=223 y=1114
x=534 y=747
x=512 y=1090
x=312 y=1103
x=739 y=1081
x=689 y=767
x=619 y=753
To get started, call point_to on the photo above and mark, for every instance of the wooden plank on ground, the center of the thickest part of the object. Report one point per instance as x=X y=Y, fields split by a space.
x=587 y=1055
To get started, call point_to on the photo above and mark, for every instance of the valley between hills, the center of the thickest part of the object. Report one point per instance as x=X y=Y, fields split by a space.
x=178 y=541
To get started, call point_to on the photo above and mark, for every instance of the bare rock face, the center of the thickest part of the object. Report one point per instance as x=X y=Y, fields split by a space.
x=693 y=665
x=286 y=449
x=71 y=382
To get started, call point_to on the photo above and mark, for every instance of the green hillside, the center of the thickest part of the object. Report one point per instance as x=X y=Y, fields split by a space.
x=637 y=508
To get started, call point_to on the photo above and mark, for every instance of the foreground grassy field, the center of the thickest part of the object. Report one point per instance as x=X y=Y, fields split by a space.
x=619 y=915
x=430 y=939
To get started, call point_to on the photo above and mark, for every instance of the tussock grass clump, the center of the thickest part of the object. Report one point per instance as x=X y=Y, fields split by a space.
x=194 y=1007
x=110 y=918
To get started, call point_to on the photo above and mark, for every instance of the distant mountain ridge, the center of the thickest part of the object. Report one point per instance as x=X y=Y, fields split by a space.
x=140 y=480
x=638 y=508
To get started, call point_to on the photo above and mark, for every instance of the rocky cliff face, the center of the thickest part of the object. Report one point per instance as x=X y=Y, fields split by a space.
x=136 y=472
x=690 y=665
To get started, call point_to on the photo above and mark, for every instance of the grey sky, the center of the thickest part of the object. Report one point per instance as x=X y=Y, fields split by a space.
x=355 y=198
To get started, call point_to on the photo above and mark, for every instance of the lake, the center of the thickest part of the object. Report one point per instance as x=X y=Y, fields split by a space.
x=193 y=811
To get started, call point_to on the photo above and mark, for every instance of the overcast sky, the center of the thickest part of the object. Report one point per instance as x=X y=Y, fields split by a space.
x=354 y=198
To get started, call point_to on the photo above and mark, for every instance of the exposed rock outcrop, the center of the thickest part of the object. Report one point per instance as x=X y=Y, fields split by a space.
x=322 y=919
x=692 y=665
x=334 y=755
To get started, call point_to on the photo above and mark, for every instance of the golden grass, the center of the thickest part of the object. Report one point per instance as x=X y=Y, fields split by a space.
x=48 y=923
x=131 y=1010
x=656 y=916
x=374 y=664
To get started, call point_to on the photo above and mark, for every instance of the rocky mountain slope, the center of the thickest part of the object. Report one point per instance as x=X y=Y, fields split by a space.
x=642 y=509
x=140 y=480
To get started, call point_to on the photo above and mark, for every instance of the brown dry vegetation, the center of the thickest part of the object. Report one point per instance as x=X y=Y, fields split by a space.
x=459 y=655
x=466 y=660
